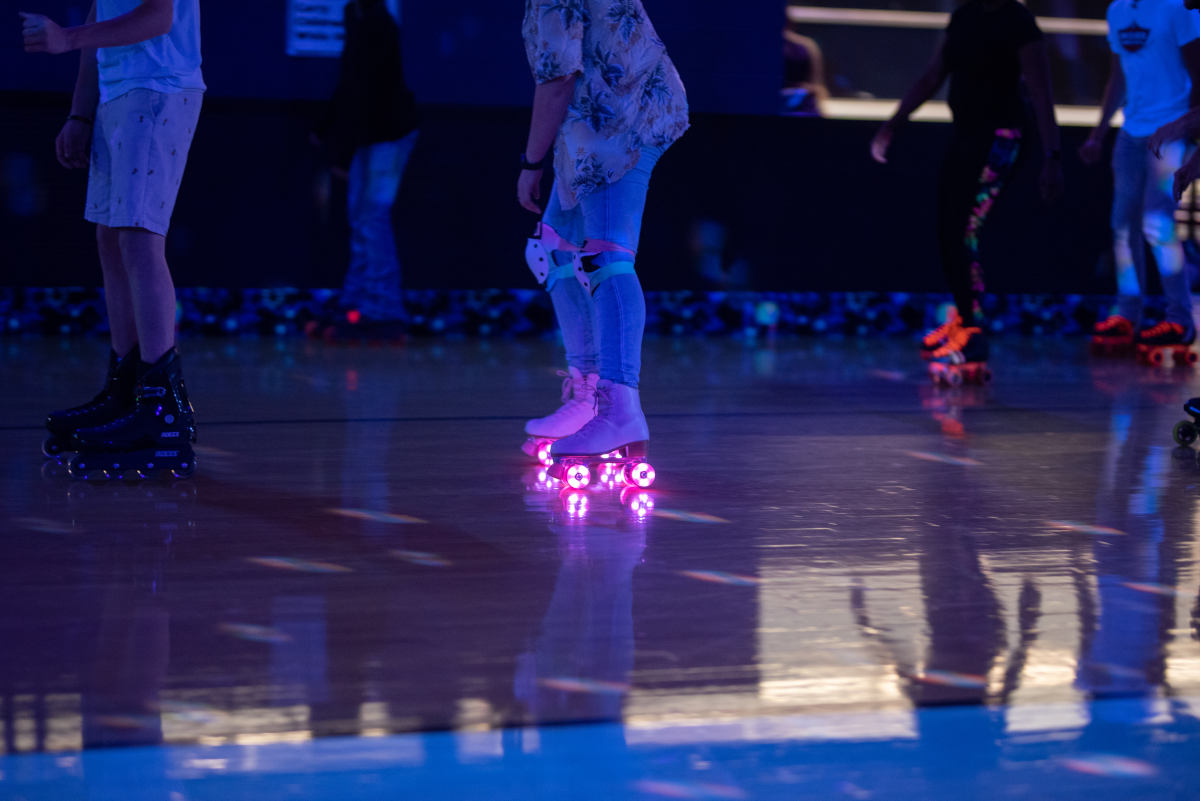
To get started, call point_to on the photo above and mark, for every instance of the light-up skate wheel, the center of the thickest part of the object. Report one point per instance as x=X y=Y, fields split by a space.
x=543 y=451
x=578 y=476
x=640 y=474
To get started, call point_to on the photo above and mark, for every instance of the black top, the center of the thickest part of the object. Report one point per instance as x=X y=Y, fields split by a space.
x=372 y=102
x=981 y=55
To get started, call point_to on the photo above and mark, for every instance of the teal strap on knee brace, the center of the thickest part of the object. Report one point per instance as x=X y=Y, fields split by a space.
x=558 y=273
x=605 y=272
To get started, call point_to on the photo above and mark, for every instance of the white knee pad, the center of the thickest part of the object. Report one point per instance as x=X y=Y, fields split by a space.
x=591 y=274
x=538 y=249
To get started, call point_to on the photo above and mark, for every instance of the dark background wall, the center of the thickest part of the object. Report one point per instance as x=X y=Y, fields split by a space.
x=801 y=204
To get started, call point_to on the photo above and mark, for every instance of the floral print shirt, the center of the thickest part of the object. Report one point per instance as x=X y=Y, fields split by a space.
x=628 y=94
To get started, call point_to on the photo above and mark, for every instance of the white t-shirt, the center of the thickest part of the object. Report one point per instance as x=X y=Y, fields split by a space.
x=169 y=63
x=1146 y=35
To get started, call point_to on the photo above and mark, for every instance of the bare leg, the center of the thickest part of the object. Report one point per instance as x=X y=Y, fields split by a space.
x=117 y=297
x=151 y=289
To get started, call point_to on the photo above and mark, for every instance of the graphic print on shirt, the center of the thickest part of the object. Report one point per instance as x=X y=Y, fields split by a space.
x=1134 y=37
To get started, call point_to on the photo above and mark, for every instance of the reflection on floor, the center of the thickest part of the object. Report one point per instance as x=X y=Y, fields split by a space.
x=845 y=583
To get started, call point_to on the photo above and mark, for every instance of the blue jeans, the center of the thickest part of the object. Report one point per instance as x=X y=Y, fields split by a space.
x=1144 y=212
x=373 y=279
x=602 y=332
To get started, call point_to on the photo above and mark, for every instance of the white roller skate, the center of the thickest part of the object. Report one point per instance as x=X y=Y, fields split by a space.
x=578 y=407
x=611 y=448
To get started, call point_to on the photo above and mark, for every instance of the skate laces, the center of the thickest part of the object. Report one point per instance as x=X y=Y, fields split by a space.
x=1165 y=327
x=943 y=331
x=956 y=341
x=1113 y=322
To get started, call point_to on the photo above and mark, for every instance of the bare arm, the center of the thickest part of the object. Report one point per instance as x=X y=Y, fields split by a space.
x=151 y=19
x=925 y=87
x=87 y=89
x=550 y=102
x=1114 y=97
x=1035 y=67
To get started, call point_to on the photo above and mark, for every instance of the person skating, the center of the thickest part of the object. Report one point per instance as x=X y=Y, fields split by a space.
x=133 y=114
x=1155 y=62
x=987 y=49
x=608 y=102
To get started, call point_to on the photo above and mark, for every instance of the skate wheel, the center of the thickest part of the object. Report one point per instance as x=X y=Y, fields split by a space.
x=1190 y=358
x=638 y=475
x=954 y=378
x=578 y=476
x=542 y=449
x=1156 y=358
x=1185 y=433
x=185 y=470
x=131 y=476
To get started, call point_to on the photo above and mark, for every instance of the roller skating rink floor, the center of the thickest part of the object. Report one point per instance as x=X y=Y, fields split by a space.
x=845 y=582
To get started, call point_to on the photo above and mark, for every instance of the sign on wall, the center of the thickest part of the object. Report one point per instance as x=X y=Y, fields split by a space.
x=314 y=27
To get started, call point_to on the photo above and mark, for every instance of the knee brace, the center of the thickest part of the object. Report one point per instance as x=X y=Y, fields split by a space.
x=539 y=256
x=600 y=260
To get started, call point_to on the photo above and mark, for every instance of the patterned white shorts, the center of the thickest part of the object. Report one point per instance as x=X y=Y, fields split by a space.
x=139 y=149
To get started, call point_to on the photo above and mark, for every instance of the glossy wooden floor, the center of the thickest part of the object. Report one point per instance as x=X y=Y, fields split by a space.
x=365 y=552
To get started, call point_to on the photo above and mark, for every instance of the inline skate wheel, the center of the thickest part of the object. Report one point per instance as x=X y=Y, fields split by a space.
x=185 y=470
x=578 y=476
x=1185 y=433
x=52 y=447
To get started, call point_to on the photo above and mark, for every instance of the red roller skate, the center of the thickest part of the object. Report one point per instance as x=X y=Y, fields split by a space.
x=1167 y=339
x=1113 y=336
x=962 y=360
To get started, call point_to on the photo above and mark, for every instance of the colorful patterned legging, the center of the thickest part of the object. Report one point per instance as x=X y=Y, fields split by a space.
x=975 y=172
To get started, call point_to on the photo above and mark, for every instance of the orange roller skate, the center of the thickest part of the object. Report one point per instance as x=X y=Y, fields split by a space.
x=939 y=336
x=962 y=360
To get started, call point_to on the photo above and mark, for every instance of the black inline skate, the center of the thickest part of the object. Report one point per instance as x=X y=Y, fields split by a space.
x=114 y=400
x=155 y=436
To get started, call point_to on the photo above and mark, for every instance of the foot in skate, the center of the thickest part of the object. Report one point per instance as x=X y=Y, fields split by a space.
x=962 y=360
x=1113 y=336
x=611 y=447
x=938 y=337
x=578 y=407
x=1167 y=340
x=155 y=436
x=115 y=399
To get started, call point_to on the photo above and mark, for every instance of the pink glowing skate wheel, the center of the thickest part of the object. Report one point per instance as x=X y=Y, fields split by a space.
x=639 y=475
x=543 y=452
x=578 y=476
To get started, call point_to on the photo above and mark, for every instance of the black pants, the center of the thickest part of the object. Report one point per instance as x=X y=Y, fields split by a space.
x=975 y=171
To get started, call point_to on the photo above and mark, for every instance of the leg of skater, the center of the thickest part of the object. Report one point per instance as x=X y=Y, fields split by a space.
x=612 y=221
x=553 y=255
x=1158 y=225
x=974 y=176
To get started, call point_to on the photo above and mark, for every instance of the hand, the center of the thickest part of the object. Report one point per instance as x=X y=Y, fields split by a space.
x=74 y=145
x=1050 y=182
x=1092 y=148
x=42 y=35
x=1185 y=175
x=881 y=143
x=529 y=190
x=1162 y=136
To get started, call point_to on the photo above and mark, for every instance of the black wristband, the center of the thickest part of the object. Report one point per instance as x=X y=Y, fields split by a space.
x=81 y=118
x=530 y=165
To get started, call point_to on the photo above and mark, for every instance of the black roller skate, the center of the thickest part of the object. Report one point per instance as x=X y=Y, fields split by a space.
x=1153 y=345
x=115 y=399
x=155 y=436
x=962 y=360
x=1188 y=431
